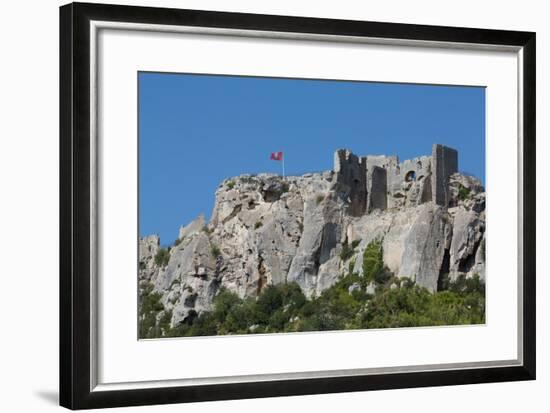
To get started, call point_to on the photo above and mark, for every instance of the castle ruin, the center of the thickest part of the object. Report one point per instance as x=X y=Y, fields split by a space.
x=382 y=182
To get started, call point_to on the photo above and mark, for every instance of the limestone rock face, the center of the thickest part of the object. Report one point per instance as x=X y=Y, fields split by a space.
x=148 y=249
x=314 y=264
x=466 y=191
x=466 y=241
x=425 y=246
x=265 y=230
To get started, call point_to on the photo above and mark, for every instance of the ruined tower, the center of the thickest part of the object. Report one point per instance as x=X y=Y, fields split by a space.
x=444 y=163
x=351 y=175
x=381 y=182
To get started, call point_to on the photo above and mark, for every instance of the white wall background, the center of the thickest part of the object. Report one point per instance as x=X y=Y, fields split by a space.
x=29 y=205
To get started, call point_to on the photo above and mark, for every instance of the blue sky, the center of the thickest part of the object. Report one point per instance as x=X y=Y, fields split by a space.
x=197 y=130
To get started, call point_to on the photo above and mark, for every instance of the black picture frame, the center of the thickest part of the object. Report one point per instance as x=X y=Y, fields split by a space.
x=75 y=219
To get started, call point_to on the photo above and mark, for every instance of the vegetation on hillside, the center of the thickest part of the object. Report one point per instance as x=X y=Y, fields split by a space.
x=463 y=193
x=162 y=257
x=154 y=321
x=389 y=302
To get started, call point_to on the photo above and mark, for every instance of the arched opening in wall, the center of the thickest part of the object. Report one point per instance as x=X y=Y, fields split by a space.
x=411 y=176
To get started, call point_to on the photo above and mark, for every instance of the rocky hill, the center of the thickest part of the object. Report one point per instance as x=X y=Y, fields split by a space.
x=313 y=229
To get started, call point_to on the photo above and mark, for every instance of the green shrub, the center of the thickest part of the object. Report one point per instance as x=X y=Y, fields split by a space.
x=319 y=199
x=467 y=285
x=373 y=263
x=351 y=266
x=223 y=303
x=444 y=282
x=164 y=321
x=215 y=251
x=284 y=307
x=463 y=193
x=348 y=250
x=258 y=224
x=346 y=253
x=414 y=306
x=162 y=257
x=177 y=242
x=149 y=307
x=230 y=184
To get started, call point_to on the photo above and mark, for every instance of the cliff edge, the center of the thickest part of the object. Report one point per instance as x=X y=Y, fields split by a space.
x=265 y=230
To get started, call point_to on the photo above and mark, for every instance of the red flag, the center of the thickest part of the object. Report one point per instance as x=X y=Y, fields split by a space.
x=276 y=156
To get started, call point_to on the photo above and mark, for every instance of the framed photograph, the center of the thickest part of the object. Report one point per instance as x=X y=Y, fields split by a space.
x=258 y=206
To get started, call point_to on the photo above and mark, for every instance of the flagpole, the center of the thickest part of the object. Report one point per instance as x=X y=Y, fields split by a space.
x=283 y=166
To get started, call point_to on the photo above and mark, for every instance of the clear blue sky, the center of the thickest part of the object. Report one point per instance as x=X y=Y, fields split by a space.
x=196 y=130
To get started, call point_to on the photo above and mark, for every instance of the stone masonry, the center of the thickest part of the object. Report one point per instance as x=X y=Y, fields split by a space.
x=351 y=174
x=381 y=182
x=444 y=164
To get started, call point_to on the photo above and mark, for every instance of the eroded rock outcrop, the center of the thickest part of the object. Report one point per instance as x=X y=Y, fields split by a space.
x=312 y=229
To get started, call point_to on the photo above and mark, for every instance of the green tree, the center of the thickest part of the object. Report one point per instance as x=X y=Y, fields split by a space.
x=463 y=193
x=345 y=305
x=162 y=257
x=373 y=263
x=149 y=308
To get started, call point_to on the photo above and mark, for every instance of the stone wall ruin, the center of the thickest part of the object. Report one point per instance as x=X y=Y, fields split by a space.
x=377 y=182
